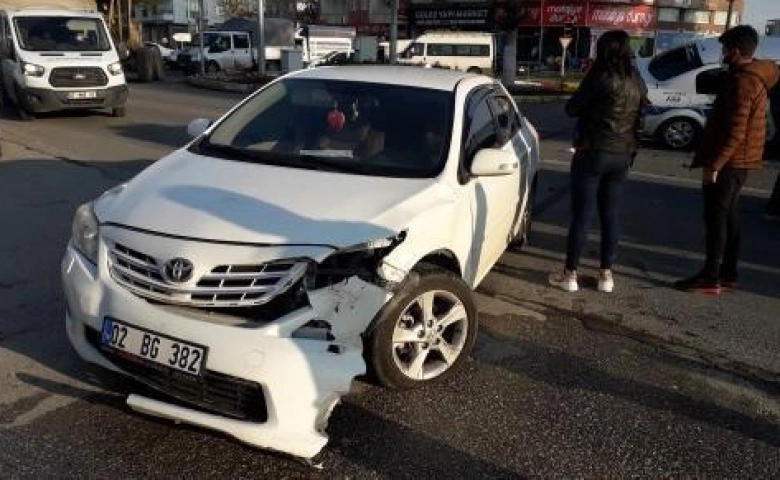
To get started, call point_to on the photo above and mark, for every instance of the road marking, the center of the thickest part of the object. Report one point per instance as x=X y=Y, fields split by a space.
x=658 y=249
x=760 y=192
x=45 y=406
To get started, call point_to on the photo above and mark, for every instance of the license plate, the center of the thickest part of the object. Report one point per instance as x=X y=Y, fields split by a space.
x=80 y=95
x=162 y=349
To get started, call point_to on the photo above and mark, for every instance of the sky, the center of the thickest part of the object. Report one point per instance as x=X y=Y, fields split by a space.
x=757 y=12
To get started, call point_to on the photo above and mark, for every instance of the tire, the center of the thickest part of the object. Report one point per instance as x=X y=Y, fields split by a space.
x=524 y=234
x=145 y=63
x=159 y=67
x=119 y=111
x=679 y=133
x=24 y=114
x=212 y=67
x=474 y=70
x=392 y=363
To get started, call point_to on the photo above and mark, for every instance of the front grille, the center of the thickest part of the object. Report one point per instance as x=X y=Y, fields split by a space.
x=216 y=392
x=223 y=286
x=78 y=77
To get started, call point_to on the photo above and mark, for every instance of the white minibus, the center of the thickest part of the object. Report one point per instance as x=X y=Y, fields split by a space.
x=468 y=51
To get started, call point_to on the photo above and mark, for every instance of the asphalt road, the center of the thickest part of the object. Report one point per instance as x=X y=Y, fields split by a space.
x=645 y=382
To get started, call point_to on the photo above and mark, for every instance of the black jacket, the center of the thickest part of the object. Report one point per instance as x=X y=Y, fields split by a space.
x=608 y=110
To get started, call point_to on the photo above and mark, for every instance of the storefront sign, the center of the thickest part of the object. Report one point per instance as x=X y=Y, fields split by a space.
x=629 y=18
x=452 y=17
x=560 y=14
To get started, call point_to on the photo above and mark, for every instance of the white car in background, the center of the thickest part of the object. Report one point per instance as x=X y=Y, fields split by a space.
x=333 y=223
x=168 y=55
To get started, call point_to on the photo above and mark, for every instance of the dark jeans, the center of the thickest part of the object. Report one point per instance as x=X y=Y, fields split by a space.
x=596 y=178
x=721 y=222
x=773 y=207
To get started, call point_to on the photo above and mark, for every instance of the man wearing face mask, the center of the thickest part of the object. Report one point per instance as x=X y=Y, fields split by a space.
x=731 y=146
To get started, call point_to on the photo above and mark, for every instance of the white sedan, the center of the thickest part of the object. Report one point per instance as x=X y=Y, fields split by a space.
x=332 y=224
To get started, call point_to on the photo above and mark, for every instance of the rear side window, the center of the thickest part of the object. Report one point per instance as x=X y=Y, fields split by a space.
x=458 y=50
x=675 y=62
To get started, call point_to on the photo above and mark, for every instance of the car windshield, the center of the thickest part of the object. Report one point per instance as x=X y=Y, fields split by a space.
x=61 y=34
x=346 y=126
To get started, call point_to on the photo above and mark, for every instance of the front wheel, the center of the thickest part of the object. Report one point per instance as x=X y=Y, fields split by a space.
x=118 y=111
x=425 y=332
x=679 y=133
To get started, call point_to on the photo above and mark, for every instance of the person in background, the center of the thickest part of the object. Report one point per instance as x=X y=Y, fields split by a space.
x=731 y=146
x=607 y=106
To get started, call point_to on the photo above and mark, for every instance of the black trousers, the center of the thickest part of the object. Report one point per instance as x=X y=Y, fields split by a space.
x=721 y=221
x=773 y=207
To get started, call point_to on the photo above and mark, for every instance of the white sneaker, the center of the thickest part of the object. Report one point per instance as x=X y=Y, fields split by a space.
x=606 y=281
x=566 y=281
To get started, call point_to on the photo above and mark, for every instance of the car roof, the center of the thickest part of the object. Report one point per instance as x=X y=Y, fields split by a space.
x=433 y=78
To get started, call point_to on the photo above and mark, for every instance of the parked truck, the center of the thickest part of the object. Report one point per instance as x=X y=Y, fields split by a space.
x=60 y=57
x=233 y=45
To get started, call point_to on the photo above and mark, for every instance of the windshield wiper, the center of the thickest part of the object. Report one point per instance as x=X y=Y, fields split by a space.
x=229 y=152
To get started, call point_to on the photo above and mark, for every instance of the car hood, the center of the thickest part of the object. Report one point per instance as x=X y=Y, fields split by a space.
x=194 y=196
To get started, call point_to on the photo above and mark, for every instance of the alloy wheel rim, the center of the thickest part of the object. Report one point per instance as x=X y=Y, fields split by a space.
x=430 y=335
x=679 y=134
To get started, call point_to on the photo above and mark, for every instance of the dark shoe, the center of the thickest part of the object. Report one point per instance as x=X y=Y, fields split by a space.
x=699 y=283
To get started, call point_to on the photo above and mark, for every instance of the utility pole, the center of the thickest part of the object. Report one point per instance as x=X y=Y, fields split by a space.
x=728 y=15
x=393 y=31
x=201 y=14
x=261 y=38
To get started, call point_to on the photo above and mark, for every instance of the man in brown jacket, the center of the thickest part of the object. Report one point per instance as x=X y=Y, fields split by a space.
x=732 y=144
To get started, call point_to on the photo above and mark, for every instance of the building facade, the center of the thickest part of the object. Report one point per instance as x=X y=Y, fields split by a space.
x=654 y=25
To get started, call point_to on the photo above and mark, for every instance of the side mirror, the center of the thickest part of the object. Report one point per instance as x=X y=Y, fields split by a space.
x=122 y=51
x=491 y=162
x=197 y=127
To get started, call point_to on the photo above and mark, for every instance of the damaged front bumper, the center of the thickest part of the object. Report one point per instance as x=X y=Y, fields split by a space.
x=271 y=384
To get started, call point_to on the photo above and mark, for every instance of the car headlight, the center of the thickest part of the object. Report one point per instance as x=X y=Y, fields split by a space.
x=115 y=68
x=85 y=232
x=361 y=260
x=32 y=70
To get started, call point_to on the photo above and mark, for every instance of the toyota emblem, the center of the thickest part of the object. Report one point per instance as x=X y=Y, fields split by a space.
x=178 y=270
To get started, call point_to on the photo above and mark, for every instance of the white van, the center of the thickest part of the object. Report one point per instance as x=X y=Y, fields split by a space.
x=677 y=113
x=468 y=51
x=58 y=60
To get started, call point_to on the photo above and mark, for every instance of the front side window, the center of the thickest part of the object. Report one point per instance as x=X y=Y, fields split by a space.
x=345 y=126
x=480 y=127
x=414 y=50
x=507 y=117
x=216 y=42
x=675 y=62
x=61 y=34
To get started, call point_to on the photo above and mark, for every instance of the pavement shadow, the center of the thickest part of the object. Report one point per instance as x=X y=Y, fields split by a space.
x=364 y=439
x=168 y=135
x=46 y=193
x=663 y=232
x=561 y=370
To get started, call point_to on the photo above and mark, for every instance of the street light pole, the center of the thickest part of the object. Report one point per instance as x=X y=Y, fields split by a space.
x=200 y=34
x=393 y=31
x=261 y=38
x=728 y=15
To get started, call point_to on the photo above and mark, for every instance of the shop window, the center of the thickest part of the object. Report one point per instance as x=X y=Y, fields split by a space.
x=668 y=14
x=697 y=16
x=720 y=18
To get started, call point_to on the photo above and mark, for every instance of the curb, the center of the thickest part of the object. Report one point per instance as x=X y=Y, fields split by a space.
x=220 y=85
x=225 y=86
